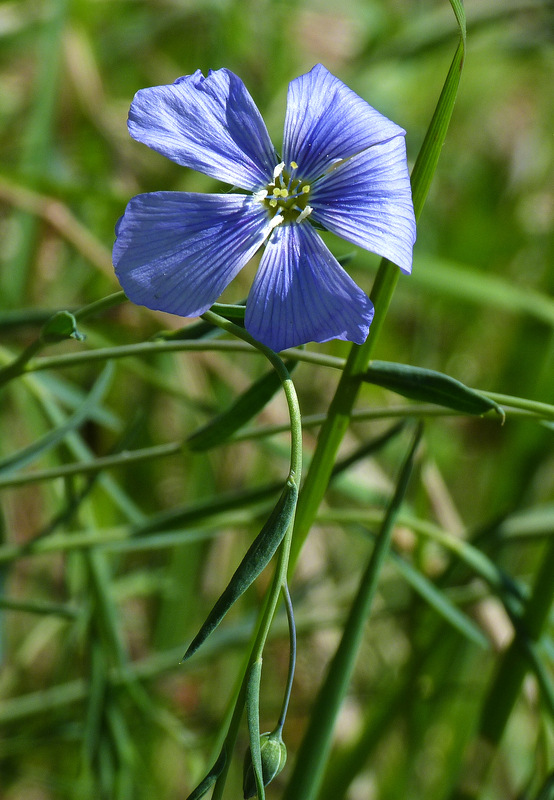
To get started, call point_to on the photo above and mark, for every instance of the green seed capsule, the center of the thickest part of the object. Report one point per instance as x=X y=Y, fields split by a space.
x=274 y=755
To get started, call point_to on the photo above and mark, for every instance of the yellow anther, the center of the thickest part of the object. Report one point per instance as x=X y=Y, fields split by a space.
x=284 y=192
x=293 y=165
x=273 y=203
x=305 y=189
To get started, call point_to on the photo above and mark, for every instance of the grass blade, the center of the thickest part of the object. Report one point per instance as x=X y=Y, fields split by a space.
x=312 y=756
x=55 y=436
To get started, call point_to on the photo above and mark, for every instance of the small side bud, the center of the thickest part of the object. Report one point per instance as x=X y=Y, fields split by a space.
x=274 y=755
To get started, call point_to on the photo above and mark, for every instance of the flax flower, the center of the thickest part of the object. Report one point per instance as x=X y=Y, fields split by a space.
x=343 y=169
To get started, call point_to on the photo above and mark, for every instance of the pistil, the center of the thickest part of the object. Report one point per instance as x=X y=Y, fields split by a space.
x=286 y=196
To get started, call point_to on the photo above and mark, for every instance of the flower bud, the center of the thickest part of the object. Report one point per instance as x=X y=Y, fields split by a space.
x=274 y=755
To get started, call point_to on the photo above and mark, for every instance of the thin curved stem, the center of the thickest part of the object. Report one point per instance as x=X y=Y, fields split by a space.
x=280 y=575
x=292 y=656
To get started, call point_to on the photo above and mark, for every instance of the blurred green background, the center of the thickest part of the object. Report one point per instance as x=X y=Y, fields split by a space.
x=95 y=703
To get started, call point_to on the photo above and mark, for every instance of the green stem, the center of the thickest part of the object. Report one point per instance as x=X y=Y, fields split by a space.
x=316 y=743
x=18 y=365
x=132 y=350
x=287 y=384
x=292 y=656
x=253 y=678
x=414 y=410
x=338 y=418
x=101 y=305
x=279 y=577
x=88 y=467
x=249 y=345
x=544 y=410
x=21 y=364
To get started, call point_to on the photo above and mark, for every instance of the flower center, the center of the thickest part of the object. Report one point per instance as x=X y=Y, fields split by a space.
x=286 y=197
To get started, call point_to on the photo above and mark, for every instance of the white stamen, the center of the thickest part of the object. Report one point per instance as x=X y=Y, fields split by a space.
x=277 y=219
x=303 y=214
x=260 y=196
x=278 y=170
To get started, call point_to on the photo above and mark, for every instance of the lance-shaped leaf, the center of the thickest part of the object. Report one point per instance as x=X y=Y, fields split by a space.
x=245 y=407
x=429 y=386
x=257 y=557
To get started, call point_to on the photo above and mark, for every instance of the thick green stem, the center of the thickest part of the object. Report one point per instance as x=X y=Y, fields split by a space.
x=312 y=756
x=340 y=410
x=338 y=418
x=307 y=775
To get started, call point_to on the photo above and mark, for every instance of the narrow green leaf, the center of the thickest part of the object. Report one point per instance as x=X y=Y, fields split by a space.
x=206 y=784
x=257 y=557
x=428 y=156
x=28 y=454
x=39 y=607
x=429 y=386
x=244 y=408
x=62 y=325
x=460 y=14
x=440 y=602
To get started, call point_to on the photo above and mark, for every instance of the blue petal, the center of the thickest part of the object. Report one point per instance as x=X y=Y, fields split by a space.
x=208 y=124
x=301 y=293
x=327 y=122
x=177 y=251
x=368 y=201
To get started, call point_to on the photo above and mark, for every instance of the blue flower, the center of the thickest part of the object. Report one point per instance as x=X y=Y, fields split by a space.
x=343 y=167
